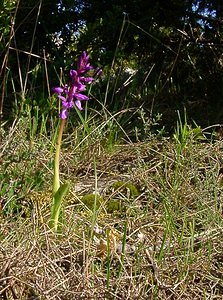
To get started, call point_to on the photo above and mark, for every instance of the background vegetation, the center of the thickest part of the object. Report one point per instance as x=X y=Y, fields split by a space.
x=171 y=52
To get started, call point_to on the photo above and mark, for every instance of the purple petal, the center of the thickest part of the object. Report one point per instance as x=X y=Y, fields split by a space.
x=73 y=73
x=65 y=105
x=79 y=96
x=84 y=57
x=57 y=89
x=81 y=87
x=78 y=104
x=88 y=79
x=73 y=89
x=70 y=104
x=62 y=98
x=88 y=66
x=63 y=113
x=66 y=89
x=84 y=69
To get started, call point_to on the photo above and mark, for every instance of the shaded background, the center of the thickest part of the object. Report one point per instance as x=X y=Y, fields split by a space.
x=158 y=56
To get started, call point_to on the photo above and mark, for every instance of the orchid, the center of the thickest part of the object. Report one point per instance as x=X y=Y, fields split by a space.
x=71 y=95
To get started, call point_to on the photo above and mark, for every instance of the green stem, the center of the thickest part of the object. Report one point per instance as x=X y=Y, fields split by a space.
x=58 y=191
x=56 y=178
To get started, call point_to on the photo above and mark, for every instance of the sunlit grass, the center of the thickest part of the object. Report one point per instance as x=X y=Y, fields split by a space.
x=163 y=242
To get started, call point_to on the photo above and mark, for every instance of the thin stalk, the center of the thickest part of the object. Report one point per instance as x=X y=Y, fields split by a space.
x=56 y=178
x=59 y=191
x=123 y=250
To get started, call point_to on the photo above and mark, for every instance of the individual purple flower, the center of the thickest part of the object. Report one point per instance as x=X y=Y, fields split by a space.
x=71 y=94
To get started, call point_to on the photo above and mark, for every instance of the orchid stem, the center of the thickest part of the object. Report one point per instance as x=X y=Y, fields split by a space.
x=59 y=191
x=56 y=178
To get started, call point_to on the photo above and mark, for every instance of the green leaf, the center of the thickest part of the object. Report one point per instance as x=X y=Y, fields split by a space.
x=57 y=200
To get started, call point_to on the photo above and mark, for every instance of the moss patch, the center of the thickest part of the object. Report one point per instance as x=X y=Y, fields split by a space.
x=92 y=200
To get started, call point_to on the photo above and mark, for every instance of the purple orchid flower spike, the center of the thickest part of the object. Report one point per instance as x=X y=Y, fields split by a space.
x=71 y=94
x=83 y=65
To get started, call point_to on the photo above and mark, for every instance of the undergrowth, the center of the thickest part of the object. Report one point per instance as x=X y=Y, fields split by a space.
x=152 y=230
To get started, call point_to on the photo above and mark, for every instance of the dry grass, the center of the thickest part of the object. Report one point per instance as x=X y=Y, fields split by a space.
x=165 y=244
